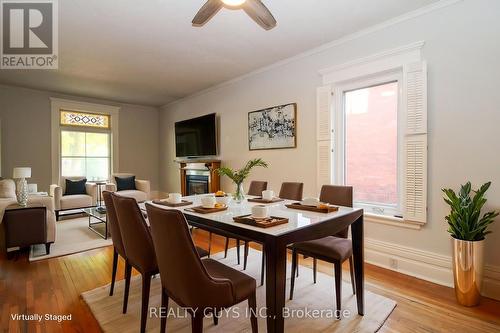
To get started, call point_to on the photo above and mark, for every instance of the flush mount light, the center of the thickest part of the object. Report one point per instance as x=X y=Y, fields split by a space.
x=233 y=3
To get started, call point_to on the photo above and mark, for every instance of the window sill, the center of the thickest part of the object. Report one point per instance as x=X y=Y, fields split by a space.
x=390 y=220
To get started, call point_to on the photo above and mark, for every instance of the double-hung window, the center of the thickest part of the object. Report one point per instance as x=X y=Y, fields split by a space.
x=85 y=144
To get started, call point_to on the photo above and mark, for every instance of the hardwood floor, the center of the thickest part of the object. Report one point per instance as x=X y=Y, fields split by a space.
x=54 y=286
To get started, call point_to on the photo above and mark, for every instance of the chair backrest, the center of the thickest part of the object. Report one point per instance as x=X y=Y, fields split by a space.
x=291 y=191
x=256 y=187
x=337 y=195
x=62 y=181
x=182 y=272
x=135 y=234
x=113 y=223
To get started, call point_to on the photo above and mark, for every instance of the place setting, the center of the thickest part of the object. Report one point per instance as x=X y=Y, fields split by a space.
x=260 y=218
x=313 y=205
x=173 y=200
x=212 y=203
x=266 y=198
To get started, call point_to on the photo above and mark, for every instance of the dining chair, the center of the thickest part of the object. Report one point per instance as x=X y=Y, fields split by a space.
x=116 y=237
x=139 y=249
x=334 y=249
x=291 y=191
x=217 y=285
x=256 y=187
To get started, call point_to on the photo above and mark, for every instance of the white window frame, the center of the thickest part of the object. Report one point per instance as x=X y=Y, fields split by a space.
x=57 y=105
x=339 y=159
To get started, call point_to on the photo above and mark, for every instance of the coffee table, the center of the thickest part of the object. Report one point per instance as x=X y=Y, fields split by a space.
x=97 y=220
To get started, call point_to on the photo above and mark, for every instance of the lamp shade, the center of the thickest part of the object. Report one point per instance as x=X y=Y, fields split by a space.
x=21 y=173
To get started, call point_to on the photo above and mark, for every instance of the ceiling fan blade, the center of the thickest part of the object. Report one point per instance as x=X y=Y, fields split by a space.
x=209 y=9
x=259 y=13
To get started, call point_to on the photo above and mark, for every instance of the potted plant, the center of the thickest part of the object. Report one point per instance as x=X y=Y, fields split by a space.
x=238 y=176
x=468 y=230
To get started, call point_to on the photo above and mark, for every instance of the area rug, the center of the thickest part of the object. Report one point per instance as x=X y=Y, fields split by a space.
x=72 y=236
x=307 y=297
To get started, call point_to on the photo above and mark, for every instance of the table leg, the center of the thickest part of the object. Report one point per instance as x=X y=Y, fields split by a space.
x=275 y=285
x=358 y=254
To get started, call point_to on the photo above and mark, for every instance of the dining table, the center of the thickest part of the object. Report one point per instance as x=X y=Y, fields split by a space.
x=302 y=226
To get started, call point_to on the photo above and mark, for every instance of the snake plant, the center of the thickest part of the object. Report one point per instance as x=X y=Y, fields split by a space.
x=464 y=221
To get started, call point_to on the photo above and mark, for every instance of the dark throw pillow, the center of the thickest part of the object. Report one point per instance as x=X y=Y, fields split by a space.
x=75 y=186
x=125 y=183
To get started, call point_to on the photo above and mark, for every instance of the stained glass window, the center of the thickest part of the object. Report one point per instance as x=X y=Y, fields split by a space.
x=81 y=119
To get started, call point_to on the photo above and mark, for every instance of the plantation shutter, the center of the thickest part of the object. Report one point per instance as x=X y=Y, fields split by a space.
x=415 y=142
x=324 y=136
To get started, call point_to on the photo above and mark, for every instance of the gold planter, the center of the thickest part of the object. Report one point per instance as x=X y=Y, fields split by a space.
x=468 y=271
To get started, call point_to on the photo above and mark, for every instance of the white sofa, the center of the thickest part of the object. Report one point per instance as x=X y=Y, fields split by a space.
x=140 y=194
x=71 y=202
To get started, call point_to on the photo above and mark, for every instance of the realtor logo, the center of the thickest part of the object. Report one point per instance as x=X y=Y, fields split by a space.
x=29 y=34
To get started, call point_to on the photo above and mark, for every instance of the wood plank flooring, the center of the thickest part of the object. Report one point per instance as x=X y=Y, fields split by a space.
x=54 y=286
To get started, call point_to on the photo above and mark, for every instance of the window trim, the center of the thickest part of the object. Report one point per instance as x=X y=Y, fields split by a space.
x=339 y=133
x=57 y=105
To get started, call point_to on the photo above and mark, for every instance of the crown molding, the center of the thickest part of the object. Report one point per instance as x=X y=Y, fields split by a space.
x=322 y=48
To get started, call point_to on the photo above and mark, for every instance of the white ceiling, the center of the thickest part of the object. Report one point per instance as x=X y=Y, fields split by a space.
x=147 y=52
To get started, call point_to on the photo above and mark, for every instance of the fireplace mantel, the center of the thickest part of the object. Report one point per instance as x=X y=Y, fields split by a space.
x=208 y=165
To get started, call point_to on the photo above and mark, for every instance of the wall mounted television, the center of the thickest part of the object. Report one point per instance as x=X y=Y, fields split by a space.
x=196 y=137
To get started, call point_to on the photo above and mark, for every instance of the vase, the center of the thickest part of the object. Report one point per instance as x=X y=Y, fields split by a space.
x=239 y=193
x=22 y=192
x=468 y=270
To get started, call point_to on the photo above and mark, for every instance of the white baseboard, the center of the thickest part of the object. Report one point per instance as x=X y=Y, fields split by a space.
x=425 y=265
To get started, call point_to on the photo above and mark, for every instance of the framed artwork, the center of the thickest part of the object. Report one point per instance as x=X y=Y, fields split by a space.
x=273 y=128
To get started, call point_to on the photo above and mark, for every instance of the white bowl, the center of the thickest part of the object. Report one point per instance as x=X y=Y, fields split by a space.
x=223 y=200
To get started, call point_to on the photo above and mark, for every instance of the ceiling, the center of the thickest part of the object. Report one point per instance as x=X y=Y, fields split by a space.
x=147 y=52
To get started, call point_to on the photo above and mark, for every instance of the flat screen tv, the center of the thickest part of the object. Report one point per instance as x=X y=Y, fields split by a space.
x=196 y=137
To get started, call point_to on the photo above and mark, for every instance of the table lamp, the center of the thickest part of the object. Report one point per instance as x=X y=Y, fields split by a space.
x=22 y=186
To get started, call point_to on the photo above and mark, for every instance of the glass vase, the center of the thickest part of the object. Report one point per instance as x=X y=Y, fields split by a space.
x=239 y=194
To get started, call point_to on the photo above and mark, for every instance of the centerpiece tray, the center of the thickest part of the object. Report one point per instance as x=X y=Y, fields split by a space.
x=298 y=205
x=169 y=204
x=202 y=210
x=260 y=200
x=260 y=222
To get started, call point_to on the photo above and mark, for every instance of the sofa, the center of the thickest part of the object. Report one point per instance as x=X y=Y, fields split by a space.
x=8 y=198
x=63 y=202
x=141 y=192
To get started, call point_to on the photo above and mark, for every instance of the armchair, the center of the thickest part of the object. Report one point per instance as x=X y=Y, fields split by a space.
x=142 y=187
x=63 y=202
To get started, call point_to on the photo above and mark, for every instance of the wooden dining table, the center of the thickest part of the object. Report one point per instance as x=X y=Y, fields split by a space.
x=302 y=226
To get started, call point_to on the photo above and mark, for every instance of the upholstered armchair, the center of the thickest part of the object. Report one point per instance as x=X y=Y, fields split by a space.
x=65 y=202
x=140 y=189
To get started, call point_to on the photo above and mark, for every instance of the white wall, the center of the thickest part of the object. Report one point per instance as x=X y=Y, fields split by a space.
x=462 y=51
x=26 y=114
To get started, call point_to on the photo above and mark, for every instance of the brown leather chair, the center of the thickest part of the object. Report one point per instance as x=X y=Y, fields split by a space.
x=138 y=245
x=334 y=249
x=291 y=191
x=116 y=237
x=217 y=286
x=256 y=187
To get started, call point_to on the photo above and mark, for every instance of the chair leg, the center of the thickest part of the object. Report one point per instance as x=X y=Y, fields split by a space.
x=226 y=247
x=128 y=273
x=338 y=285
x=238 y=250
x=295 y=256
x=216 y=317
x=209 y=243
x=146 y=284
x=351 y=270
x=263 y=266
x=245 y=255
x=315 y=268
x=252 y=304
x=164 y=305
x=197 y=323
x=113 y=273
x=47 y=248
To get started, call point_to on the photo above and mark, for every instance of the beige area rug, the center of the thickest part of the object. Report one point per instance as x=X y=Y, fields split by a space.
x=108 y=310
x=72 y=236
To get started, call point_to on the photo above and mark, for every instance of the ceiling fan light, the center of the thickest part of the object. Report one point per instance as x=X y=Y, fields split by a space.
x=233 y=3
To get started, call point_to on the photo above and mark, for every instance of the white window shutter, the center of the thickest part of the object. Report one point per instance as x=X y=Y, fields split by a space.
x=324 y=163
x=415 y=143
x=323 y=113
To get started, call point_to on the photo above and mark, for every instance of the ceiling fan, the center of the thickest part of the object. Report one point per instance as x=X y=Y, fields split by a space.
x=254 y=8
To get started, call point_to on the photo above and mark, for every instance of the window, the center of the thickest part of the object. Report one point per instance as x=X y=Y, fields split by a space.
x=85 y=145
x=371 y=146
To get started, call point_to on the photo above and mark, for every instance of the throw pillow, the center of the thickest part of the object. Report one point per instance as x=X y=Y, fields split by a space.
x=125 y=183
x=75 y=186
x=7 y=189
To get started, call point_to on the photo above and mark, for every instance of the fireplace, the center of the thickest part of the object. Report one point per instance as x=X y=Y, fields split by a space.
x=197 y=183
